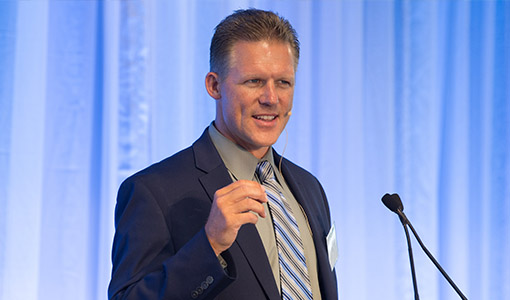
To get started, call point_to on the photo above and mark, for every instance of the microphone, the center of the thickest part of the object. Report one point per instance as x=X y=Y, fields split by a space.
x=394 y=203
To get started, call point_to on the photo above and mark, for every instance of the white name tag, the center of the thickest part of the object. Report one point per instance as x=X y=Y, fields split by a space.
x=332 y=247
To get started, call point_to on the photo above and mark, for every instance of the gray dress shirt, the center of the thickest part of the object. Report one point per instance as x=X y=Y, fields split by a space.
x=241 y=165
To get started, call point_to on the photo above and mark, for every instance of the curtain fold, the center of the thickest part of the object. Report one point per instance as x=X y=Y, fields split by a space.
x=411 y=97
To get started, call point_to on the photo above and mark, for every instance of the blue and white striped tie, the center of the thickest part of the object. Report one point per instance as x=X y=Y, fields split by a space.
x=295 y=282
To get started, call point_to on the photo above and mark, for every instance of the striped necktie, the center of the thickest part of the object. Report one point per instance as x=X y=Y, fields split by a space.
x=295 y=282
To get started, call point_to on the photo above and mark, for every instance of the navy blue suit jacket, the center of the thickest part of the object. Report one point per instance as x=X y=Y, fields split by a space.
x=160 y=250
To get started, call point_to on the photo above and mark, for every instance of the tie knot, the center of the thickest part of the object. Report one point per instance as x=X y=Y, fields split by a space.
x=264 y=171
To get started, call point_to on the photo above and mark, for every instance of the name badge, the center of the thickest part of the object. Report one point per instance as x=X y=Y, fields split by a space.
x=332 y=247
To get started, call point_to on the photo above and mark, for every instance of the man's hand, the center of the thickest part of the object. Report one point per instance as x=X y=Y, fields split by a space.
x=233 y=206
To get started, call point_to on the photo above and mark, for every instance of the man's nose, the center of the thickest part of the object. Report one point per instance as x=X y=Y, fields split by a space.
x=269 y=95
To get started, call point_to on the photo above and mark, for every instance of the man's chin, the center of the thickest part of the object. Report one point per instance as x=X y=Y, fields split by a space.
x=266 y=143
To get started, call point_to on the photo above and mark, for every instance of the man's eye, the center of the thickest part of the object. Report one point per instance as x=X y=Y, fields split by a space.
x=285 y=83
x=253 y=81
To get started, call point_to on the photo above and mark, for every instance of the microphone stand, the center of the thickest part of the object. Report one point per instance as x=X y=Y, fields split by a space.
x=404 y=219
x=394 y=204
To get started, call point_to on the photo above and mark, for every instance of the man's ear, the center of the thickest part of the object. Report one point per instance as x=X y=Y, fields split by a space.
x=212 y=84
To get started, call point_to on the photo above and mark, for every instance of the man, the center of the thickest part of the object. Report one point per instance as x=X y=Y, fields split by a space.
x=228 y=218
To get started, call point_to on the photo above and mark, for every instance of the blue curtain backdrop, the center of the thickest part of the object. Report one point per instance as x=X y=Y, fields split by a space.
x=392 y=96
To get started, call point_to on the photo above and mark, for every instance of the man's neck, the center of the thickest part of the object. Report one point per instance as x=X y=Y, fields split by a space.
x=258 y=153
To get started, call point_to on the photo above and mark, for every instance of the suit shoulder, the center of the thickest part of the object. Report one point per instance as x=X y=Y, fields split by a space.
x=166 y=182
x=298 y=171
x=169 y=168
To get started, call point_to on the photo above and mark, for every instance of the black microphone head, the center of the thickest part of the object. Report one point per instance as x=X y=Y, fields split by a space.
x=393 y=202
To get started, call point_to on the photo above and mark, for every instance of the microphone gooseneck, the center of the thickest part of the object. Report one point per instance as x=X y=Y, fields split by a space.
x=411 y=261
x=394 y=203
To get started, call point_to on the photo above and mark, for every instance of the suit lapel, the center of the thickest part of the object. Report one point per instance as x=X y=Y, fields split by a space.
x=299 y=191
x=248 y=240
x=319 y=235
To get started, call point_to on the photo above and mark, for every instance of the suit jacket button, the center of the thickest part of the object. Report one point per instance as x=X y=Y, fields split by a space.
x=200 y=290
x=209 y=279
x=204 y=285
x=194 y=295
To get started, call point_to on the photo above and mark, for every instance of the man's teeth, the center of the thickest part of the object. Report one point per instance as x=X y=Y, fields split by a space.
x=265 y=118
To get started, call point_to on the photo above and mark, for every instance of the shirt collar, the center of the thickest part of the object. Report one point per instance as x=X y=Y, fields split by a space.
x=239 y=161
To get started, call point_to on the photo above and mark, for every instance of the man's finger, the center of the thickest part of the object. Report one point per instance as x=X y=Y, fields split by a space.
x=241 y=189
x=252 y=205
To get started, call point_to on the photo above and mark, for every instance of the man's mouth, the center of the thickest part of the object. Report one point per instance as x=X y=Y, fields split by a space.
x=265 y=117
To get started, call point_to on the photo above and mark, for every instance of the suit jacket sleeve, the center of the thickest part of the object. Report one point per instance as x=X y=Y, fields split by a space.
x=147 y=263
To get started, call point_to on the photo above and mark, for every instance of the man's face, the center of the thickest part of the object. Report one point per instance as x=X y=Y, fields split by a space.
x=255 y=97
